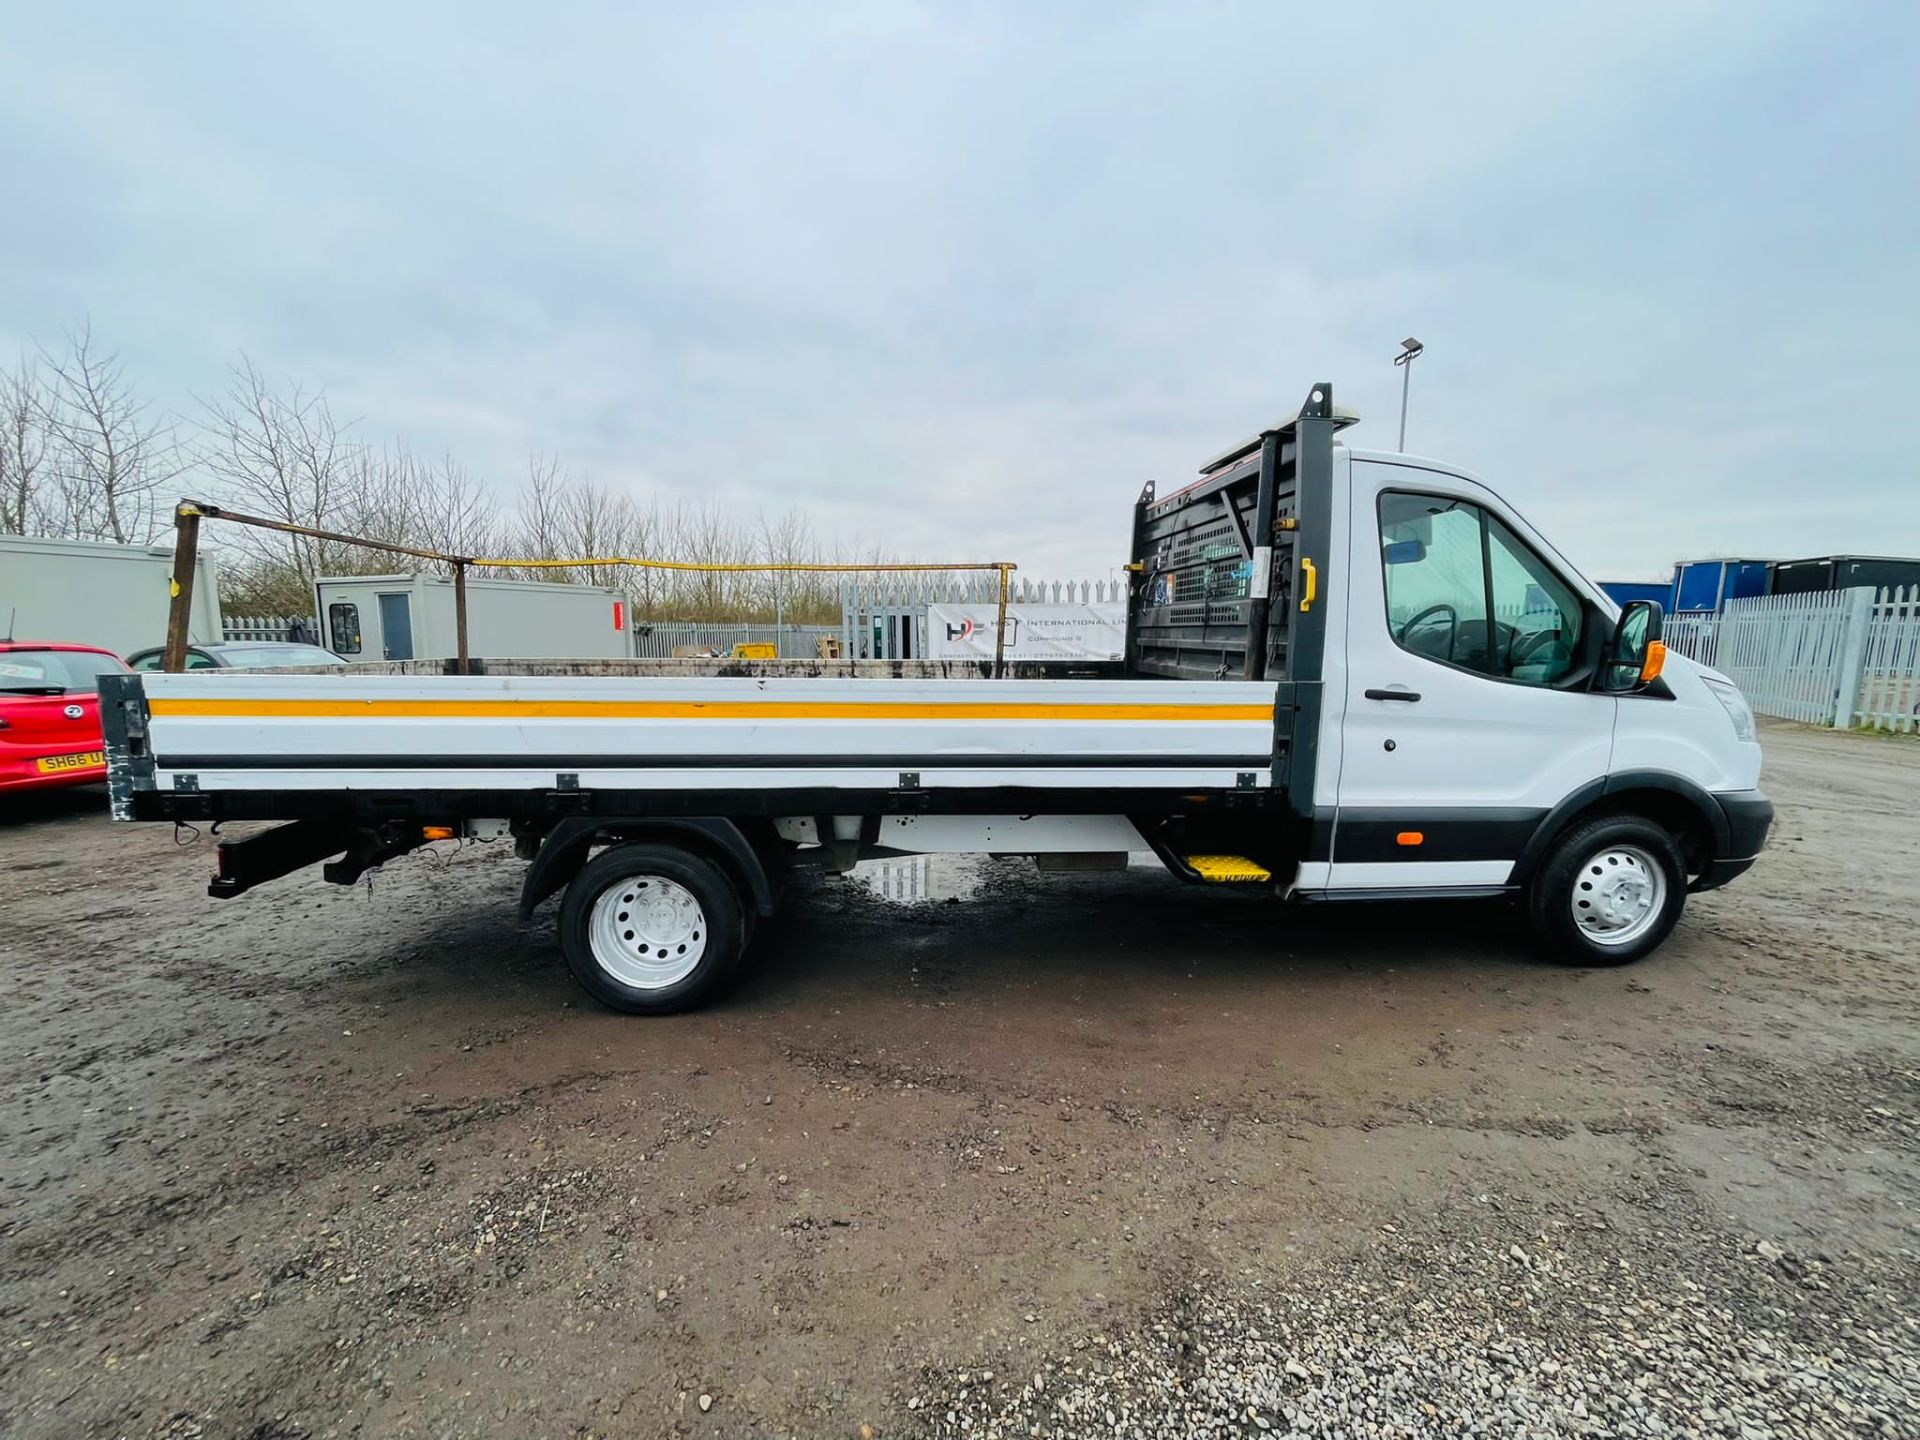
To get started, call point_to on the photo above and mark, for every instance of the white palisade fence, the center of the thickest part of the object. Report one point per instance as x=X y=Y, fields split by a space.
x=1889 y=693
x=1694 y=636
x=1786 y=652
x=1842 y=658
x=264 y=627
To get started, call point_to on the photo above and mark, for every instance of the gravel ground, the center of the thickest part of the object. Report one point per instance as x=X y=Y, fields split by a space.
x=972 y=1151
x=1567 y=1338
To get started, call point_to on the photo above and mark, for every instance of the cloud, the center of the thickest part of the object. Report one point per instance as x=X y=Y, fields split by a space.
x=963 y=280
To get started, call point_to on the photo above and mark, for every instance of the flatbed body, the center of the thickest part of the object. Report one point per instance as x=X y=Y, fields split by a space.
x=210 y=745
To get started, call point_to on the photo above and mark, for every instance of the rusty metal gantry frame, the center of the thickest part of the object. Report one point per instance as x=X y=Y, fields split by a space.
x=188 y=514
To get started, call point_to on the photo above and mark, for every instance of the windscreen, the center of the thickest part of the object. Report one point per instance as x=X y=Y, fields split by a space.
x=55 y=672
x=272 y=655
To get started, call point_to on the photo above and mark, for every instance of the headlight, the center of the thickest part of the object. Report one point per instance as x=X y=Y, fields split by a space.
x=1736 y=706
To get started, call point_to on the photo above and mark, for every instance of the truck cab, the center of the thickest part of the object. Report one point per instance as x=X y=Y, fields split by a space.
x=1469 y=715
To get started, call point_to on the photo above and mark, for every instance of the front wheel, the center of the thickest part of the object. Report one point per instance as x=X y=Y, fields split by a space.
x=1610 y=890
x=652 y=929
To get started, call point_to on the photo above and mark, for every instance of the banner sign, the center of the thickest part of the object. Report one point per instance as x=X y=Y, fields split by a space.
x=1034 y=632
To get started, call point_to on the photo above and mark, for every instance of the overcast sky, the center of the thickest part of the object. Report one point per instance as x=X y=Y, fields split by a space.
x=960 y=278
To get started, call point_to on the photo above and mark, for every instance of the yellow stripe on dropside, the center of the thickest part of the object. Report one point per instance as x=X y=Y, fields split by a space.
x=687 y=710
x=1228 y=869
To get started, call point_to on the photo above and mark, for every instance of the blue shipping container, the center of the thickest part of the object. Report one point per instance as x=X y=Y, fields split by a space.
x=1703 y=586
x=1622 y=591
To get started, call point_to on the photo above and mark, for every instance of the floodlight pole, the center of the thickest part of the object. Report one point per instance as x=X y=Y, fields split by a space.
x=1406 y=379
x=1409 y=349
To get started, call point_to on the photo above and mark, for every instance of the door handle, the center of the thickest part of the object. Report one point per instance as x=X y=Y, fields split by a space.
x=1404 y=696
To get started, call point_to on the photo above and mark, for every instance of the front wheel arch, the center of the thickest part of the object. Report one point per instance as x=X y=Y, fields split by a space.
x=1683 y=809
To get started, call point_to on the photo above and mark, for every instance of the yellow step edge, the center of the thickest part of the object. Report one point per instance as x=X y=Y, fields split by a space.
x=1228 y=869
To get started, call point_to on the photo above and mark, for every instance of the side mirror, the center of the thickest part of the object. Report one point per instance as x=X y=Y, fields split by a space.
x=1635 y=654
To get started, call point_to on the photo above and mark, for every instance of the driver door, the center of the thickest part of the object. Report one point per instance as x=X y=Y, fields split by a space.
x=1468 y=711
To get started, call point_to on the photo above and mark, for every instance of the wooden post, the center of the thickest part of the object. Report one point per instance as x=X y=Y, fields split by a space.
x=1000 y=631
x=186 y=551
x=460 y=615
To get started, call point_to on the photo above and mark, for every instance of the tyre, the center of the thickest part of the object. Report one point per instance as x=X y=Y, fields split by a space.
x=1609 y=891
x=652 y=929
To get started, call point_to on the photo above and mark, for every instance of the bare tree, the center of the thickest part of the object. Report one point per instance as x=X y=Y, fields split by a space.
x=599 y=523
x=110 y=459
x=80 y=457
x=562 y=516
x=796 y=596
x=394 y=496
x=458 y=515
x=541 y=524
x=281 y=455
x=24 y=441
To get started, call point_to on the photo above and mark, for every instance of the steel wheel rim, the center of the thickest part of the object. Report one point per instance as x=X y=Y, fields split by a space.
x=1618 y=895
x=647 y=931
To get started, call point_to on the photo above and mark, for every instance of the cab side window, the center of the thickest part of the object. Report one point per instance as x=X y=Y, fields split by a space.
x=1463 y=589
x=1430 y=547
x=1536 y=614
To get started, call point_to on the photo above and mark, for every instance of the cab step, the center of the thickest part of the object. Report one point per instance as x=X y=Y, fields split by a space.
x=1228 y=869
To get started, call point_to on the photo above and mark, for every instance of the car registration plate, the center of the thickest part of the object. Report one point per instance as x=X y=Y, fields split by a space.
x=54 y=764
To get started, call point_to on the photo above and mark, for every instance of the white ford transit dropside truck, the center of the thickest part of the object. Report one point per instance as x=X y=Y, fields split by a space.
x=1349 y=676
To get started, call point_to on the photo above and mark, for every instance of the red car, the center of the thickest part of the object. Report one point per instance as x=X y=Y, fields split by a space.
x=50 y=714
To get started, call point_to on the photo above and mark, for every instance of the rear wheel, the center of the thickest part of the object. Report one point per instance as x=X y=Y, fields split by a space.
x=1609 y=891
x=651 y=929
